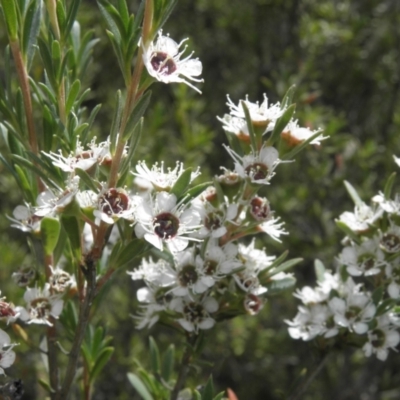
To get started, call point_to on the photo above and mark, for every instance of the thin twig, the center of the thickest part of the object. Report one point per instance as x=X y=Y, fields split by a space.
x=185 y=365
x=302 y=388
x=89 y=270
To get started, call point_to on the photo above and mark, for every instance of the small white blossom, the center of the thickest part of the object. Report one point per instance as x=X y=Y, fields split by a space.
x=162 y=59
x=158 y=178
x=80 y=158
x=258 y=167
x=25 y=219
x=50 y=203
x=41 y=305
x=196 y=314
x=160 y=219
x=262 y=115
x=361 y=219
x=365 y=259
x=382 y=338
x=293 y=134
x=7 y=355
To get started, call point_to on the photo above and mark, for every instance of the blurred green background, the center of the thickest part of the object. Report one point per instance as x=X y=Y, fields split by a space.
x=344 y=58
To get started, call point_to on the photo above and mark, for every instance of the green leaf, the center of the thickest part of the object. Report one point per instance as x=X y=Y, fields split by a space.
x=353 y=194
x=277 y=286
x=389 y=186
x=168 y=363
x=31 y=29
x=61 y=15
x=112 y=18
x=87 y=180
x=135 y=248
x=72 y=95
x=50 y=231
x=115 y=124
x=154 y=356
x=281 y=124
x=137 y=113
x=195 y=191
x=182 y=183
x=60 y=247
x=377 y=295
x=278 y=260
x=283 y=267
x=72 y=228
x=208 y=391
x=197 y=395
x=352 y=235
x=137 y=383
x=24 y=183
x=319 y=269
x=385 y=306
x=219 y=396
x=102 y=359
x=165 y=15
x=288 y=98
x=10 y=15
x=71 y=16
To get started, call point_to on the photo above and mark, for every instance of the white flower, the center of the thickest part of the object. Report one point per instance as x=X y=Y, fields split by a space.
x=293 y=134
x=254 y=261
x=161 y=220
x=50 y=203
x=7 y=311
x=41 y=305
x=162 y=59
x=7 y=355
x=355 y=310
x=190 y=274
x=214 y=219
x=321 y=293
x=61 y=280
x=158 y=274
x=390 y=206
x=196 y=314
x=258 y=166
x=390 y=240
x=365 y=259
x=159 y=179
x=382 y=338
x=263 y=115
x=361 y=219
x=156 y=301
x=314 y=320
x=80 y=158
x=25 y=219
x=113 y=204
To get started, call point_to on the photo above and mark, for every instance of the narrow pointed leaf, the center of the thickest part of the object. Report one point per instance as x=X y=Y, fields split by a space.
x=136 y=114
x=250 y=127
x=281 y=124
x=389 y=186
x=319 y=269
x=353 y=194
x=168 y=363
x=154 y=356
x=49 y=230
x=137 y=383
x=182 y=183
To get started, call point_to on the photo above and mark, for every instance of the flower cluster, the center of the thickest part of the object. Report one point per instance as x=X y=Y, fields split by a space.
x=358 y=303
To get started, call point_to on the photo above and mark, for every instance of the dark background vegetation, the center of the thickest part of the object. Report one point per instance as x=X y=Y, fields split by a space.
x=344 y=57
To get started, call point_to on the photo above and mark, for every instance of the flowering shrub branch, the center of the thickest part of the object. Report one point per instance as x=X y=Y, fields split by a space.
x=93 y=208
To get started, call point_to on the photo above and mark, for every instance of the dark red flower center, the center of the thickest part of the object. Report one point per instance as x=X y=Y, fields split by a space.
x=166 y=225
x=163 y=63
x=259 y=208
x=113 y=201
x=257 y=171
x=188 y=275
